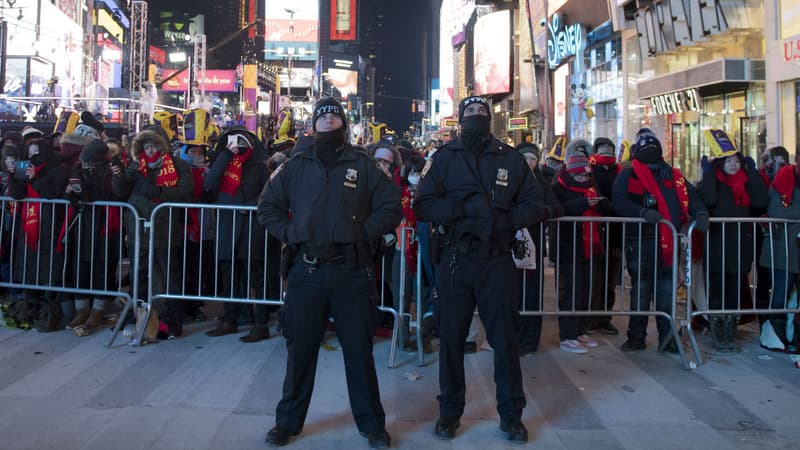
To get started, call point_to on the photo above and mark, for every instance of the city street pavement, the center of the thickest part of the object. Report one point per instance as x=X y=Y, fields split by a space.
x=58 y=391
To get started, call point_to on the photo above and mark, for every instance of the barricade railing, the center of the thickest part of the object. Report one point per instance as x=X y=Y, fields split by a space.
x=587 y=273
x=223 y=263
x=61 y=248
x=731 y=271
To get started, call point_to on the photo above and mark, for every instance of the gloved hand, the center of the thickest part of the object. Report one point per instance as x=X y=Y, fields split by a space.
x=651 y=215
x=705 y=164
x=701 y=222
x=749 y=164
x=553 y=211
x=75 y=200
x=147 y=189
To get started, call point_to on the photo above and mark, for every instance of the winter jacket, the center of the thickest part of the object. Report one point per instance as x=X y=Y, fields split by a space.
x=730 y=242
x=489 y=196
x=570 y=243
x=355 y=203
x=784 y=237
x=233 y=229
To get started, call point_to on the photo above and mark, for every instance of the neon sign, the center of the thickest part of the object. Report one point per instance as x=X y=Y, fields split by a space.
x=563 y=41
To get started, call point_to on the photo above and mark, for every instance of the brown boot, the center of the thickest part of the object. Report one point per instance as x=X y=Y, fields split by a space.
x=95 y=319
x=222 y=329
x=256 y=334
x=81 y=316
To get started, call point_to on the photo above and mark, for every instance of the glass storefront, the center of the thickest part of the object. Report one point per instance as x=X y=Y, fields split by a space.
x=596 y=92
x=790 y=114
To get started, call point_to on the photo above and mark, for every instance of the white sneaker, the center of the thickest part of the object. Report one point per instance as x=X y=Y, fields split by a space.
x=587 y=341
x=573 y=346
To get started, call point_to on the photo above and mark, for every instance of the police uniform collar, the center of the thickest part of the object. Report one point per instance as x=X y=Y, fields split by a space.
x=494 y=146
x=308 y=151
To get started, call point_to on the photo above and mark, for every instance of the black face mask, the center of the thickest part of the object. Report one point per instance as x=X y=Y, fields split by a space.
x=649 y=155
x=475 y=130
x=327 y=138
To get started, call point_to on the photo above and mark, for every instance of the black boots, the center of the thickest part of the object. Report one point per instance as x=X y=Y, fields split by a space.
x=723 y=333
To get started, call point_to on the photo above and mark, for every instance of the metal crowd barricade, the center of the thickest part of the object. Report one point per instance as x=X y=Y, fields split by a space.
x=257 y=263
x=42 y=248
x=700 y=270
x=598 y=265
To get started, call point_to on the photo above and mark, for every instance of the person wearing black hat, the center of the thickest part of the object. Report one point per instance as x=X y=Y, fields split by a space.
x=89 y=120
x=95 y=253
x=238 y=173
x=652 y=190
x=330 y=204
x=530 y=327
x=480 y=192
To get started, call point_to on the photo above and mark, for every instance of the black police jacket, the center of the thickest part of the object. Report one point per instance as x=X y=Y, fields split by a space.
x=487 y=197
x=304 y=204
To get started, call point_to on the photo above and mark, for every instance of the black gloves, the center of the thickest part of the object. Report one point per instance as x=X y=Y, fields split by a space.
x=651 y=215
x=701 y=222
x=553 y=211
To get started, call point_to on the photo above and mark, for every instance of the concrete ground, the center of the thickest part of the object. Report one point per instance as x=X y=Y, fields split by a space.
x=58 y=391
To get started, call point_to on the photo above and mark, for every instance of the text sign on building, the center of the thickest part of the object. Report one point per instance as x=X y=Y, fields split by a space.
x=664 y=25
x=791 y=50
x=517 y=123
x=563 y=41
x=676 y=102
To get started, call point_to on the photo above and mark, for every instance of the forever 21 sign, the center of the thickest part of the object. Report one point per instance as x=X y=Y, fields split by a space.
x=676 y=102
x=665 y=25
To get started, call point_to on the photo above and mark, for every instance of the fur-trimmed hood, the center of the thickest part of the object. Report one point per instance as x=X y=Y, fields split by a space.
x=147 y=135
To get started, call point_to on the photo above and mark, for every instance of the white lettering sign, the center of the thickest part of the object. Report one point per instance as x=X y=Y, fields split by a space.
x=676 y=102
x=563 y=41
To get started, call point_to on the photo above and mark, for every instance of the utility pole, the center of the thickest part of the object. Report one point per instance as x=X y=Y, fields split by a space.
x=138 y=58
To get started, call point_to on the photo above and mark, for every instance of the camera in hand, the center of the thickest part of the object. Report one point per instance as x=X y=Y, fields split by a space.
x=21 y=167
x=519 y=249
x=649 y=201
x=75 y=184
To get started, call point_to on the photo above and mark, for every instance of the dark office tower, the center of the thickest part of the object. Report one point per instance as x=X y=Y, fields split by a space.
x=225 y=17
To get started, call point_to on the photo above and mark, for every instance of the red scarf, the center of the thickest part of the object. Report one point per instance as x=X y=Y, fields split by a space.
x=167 y=175
x=409 y=221
x=784 y=183
x=590 y=230
x=604 y=160
x=232 y=177
x=737 y=183
x=30 y=224
x=678 y=183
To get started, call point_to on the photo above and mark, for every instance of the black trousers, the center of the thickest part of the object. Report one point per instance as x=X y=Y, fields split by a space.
x=347 y=294
x=235 y=281
x=491 y=283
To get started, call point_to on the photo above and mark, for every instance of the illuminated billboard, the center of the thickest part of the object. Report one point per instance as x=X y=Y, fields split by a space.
x=346 y=81
x=492 y=53
x=291 y=30
x=343 y=20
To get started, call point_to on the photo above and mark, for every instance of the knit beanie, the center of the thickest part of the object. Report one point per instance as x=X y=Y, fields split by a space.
x=577 y=163
x=528 y=147
x=88 y=119
x=647 y=148
x=95 y=152
x=604 y=147
x=328 y=105
x=462 y=106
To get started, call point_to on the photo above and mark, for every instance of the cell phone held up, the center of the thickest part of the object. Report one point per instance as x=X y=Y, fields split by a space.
x=21 y=169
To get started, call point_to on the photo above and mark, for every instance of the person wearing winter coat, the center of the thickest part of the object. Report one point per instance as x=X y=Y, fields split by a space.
x=37 y=262
x=781 y=254
x=151 y=177
x=579 y=245
x=730 y=187
x=530 y=327
x=608 y=272
x=236 y=177
x=94 y=232
x=652 y=190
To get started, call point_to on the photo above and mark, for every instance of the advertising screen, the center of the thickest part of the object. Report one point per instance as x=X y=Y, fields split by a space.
x=346 y=81
x=291 y=29
x=216 y=81
x=492 y=53
x=343 y=20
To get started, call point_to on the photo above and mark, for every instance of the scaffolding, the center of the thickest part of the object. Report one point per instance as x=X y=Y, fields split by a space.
x=138 y=58
x=198 y=76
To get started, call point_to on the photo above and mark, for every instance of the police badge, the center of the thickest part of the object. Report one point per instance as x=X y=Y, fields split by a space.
x=350 y=178
x=502 y=177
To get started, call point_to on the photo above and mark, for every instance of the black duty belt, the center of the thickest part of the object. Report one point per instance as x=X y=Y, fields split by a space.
x=330 y=254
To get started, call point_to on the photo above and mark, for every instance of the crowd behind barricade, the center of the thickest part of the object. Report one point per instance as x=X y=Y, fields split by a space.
x=226 y=253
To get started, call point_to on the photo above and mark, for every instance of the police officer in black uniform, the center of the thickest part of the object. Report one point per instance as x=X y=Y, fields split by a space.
x=481 y=191
x=330 y=203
